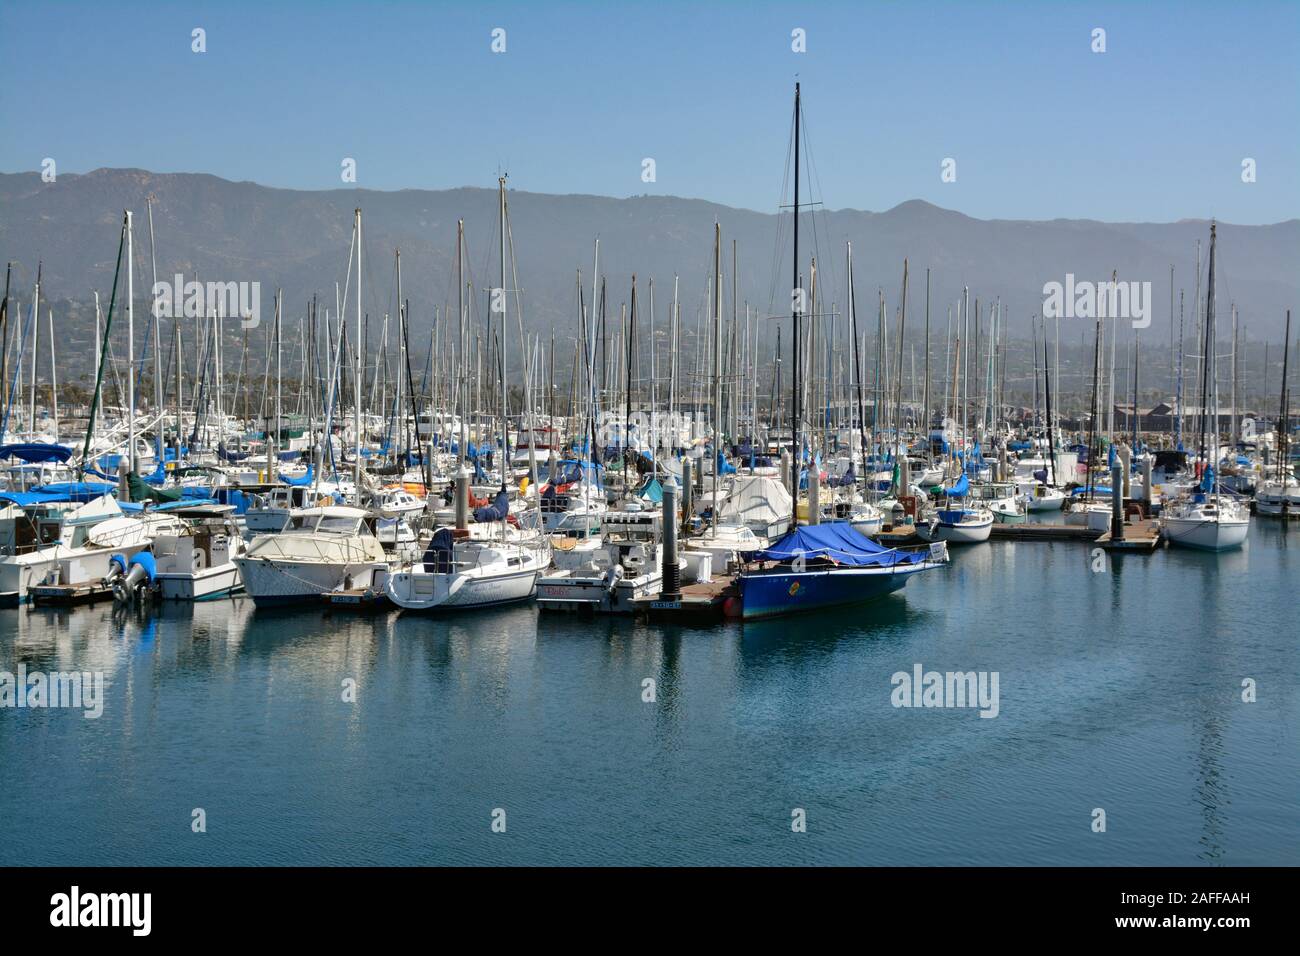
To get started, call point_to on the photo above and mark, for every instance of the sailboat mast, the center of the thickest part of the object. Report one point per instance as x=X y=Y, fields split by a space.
x=356 y=373
x=796 y=438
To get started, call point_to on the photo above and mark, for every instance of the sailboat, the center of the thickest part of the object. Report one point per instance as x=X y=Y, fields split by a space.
x=458 y=571
x=1207 y=518
x=1279 y=496
x=825 y=566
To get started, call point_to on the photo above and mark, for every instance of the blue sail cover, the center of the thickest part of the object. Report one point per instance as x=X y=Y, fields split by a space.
x=302 y=482
x=839 y=542
x=497 y=511
x=1207 y=480
x=35 y=452
x=959 y=489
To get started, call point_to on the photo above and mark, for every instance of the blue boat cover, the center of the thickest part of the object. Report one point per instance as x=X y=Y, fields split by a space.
x=497 y=511
x=35 y=452
x=838 y=541
x=82 y=491
x=438 y=557
x=959 y=489
x=302 y=482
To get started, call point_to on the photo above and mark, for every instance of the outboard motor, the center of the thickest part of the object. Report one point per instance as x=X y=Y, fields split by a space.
x=130 y=583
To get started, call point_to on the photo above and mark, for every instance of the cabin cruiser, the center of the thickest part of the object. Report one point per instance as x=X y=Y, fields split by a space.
x=270 y=512
x=197 y=563
x=1037 y=496
x=65 y=543
x=318 y=551
x=575 y=539
x=396 y=502
x=1278 y=497
x=627 y=566
x=1001 y=499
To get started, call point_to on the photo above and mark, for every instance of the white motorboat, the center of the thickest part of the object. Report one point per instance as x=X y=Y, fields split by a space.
x=198 y=562
x=629 y=565
x=1278 y=497
x=67 y=543
x=270 y=512
x=320 y=550
x=957 y=525
x=1037 y=497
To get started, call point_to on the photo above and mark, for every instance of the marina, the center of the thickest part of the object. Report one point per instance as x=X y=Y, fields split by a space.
x=623 y=438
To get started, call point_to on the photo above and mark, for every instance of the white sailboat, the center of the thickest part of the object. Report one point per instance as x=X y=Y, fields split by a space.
x=459 y=573
x=1206 y=518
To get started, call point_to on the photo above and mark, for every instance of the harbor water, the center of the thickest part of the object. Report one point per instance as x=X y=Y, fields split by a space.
x=507 y=736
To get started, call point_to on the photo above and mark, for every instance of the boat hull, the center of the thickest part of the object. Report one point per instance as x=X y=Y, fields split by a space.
x=206 y=585
x=773 y=594
x=423 y=591
x=973 y=532
x=276 y=582
x=1205 y=535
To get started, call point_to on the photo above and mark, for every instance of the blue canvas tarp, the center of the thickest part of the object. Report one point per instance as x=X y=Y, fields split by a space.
x=837 y=541
x=497 y=511
x=35 y=452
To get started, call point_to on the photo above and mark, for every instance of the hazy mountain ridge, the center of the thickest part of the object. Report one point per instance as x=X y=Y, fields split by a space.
x=298 y=240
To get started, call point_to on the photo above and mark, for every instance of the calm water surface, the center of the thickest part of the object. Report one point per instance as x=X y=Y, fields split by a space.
x=1119 y=690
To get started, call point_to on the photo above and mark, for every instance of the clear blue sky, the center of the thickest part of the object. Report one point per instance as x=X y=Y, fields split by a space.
x=1040 y=126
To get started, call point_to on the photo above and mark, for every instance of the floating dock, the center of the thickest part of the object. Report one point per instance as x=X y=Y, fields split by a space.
x=1037 y=531
x=1141 y=535
x=699 y=603
x=357 y=599
x=67 y=595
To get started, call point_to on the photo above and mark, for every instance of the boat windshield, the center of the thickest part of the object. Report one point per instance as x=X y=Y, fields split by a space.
x=337 y=525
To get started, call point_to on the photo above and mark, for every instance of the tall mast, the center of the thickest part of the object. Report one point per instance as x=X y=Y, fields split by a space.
x=505 y=410
x=356 y=372
x=157 y=326
x=130 y=348
x=796 y=438
x=717 y=368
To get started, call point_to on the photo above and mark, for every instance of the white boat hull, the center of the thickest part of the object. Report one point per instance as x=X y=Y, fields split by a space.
x=1205 y=535
x=270 y=582
x=202 y=585
x=426 y=591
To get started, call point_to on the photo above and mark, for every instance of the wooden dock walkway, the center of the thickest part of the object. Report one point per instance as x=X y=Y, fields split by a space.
x=1037 y=531
x=700 y=603
x=1141 y=535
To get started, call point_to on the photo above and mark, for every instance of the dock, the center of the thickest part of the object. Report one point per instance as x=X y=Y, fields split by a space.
x=1037 y=531
x=699 y=603
x=1141 y=535
x=898 y=537
x=357 y=599
x=68 y=595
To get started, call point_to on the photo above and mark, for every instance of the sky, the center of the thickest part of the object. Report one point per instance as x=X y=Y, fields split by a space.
x=1037 y=123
